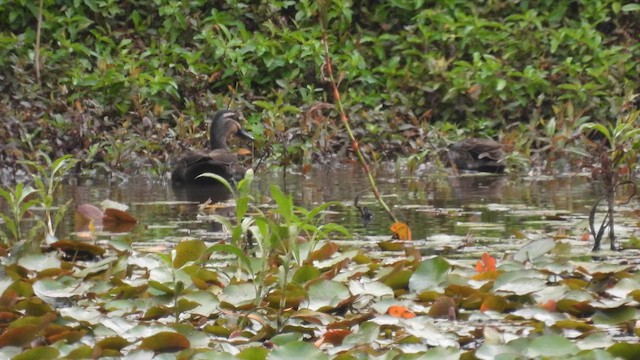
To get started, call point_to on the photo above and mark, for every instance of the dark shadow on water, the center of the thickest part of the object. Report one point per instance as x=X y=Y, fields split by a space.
x=201 y=193
x=206 y=194
x=476 y=187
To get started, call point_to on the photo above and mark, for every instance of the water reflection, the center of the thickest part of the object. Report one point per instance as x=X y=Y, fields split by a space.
x=431 y=205
x=214 y=193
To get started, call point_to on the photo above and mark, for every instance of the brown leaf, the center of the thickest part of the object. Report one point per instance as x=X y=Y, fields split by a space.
x=335 y=336
x=119 y=216
x=164 y=342
x=444 y=307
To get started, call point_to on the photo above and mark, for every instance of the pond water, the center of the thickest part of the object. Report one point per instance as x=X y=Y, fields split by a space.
x=442 y=211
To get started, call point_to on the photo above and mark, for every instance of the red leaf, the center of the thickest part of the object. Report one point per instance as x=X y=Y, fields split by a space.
x=487 y=263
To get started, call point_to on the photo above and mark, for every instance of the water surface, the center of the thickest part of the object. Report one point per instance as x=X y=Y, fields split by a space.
x=487 y=208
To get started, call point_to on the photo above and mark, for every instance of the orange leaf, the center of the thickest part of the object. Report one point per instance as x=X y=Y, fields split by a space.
x=550 y=305
x=487 y=263
x=401 y=231
x=400 y=311
x=585 y=236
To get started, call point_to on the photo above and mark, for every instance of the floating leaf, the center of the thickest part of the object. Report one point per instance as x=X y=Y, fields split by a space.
x=296 y=350
x=18 y=336
x=397 y=279
x=164 y=342
x=335 y=336
x=391 y=245
x=367 y=333
x=400 y=311
x=551 y=346
x=493 y=302
x=38 y=353
x=305 y=273
x=113 y=342
x=614 y=316
x=429 y=274
x=326 y=294
x=186 y=251
x=87 y=213
x=78 y=250
x=625 y=350
x=117 y=215
x=534 y=249
x=487 y=263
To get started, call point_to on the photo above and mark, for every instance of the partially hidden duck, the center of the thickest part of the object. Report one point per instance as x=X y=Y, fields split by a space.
x=218 y=159
x=482 y=155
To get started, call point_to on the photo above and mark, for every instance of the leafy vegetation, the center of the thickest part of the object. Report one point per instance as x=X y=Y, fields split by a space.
x=106 y=87
x=123 y=86
x=22 y=202
x=615 y=170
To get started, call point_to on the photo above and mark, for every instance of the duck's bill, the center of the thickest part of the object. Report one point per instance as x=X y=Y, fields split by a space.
x=245 y=135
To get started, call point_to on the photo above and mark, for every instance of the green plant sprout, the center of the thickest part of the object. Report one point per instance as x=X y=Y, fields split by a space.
x=19 y=202
x=47 y=180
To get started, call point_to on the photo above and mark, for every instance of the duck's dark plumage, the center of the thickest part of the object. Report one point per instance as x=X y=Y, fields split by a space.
x=484 y=155
x=218 y=159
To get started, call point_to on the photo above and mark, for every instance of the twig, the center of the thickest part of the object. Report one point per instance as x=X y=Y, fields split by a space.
x=345 y=121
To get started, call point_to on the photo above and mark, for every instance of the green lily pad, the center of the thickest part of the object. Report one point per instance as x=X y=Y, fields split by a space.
x=429 y=274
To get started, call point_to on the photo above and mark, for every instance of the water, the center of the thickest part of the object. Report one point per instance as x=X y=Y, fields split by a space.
x=485 y=207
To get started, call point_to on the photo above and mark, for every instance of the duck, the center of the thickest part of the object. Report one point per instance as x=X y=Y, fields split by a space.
x=474 y=154
x=218 y=159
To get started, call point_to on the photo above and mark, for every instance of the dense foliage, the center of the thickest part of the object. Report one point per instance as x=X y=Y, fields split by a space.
x=107 y=80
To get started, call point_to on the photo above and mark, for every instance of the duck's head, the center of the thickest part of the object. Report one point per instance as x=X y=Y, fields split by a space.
x=225 y=123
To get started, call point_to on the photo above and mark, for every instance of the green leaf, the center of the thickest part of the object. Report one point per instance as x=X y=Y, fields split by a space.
x=326 y=293
x=631 y=7
x=552 y=346
x=43 y=352
x=368 y=332
x=187 y=251
x=297 y=350
x=429 y=274
x=615 y=316
x=285 y=204
x=534 y=249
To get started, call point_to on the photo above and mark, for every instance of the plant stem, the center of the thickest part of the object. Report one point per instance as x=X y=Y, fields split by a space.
x=345 y=122
x=36 y=52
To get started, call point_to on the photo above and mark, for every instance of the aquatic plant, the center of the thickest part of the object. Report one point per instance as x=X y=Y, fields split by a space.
x=19 y=201
x=284 y=236
x=617 y=161
x=22 y=200
x=47 y=177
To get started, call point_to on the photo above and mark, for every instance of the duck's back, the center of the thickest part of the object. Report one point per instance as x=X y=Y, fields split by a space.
x=219 y=162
